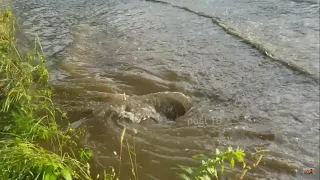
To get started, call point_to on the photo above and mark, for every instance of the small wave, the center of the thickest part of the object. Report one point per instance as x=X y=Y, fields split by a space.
x=44 y=22
x=307 y=1
x=228 y=28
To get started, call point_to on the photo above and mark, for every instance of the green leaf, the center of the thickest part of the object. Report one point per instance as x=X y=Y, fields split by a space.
x=53 y=177
x=216 y=174
x=200 y=156
x=222 y=168
x=186 y=169
x=198 y=172
x=56 y=173
x=232 y=163
x=205 y=177
x=240 y=157
x=217 y=152
x=49 y=169
x=39 y=169
x=184 y=177
x=66 y=174
x=47 y=177
x=211 y=170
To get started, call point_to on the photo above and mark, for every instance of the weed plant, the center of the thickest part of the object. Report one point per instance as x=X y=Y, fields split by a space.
x=28 y=116
x=213 y=167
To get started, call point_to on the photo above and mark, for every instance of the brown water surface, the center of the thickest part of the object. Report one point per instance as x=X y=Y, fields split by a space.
x=193 y=77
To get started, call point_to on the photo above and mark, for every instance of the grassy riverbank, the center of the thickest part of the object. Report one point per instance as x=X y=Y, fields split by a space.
x=28 y=117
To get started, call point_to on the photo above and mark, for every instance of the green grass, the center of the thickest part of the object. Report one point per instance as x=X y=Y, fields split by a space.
x=28 y=117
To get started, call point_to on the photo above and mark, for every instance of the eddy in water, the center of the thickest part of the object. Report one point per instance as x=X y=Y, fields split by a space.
x=159 y=107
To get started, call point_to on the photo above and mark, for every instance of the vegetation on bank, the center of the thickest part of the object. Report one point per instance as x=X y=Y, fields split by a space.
x=28 y=124
x=28 y=117
x=211 y=167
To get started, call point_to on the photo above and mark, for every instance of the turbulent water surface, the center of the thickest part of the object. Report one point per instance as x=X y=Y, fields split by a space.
x=185 y=77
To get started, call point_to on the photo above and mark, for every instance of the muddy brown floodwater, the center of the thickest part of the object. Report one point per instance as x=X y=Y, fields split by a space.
x=197 y=75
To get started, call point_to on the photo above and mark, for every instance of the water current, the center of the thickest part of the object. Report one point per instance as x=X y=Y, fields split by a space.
x=185 y=77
